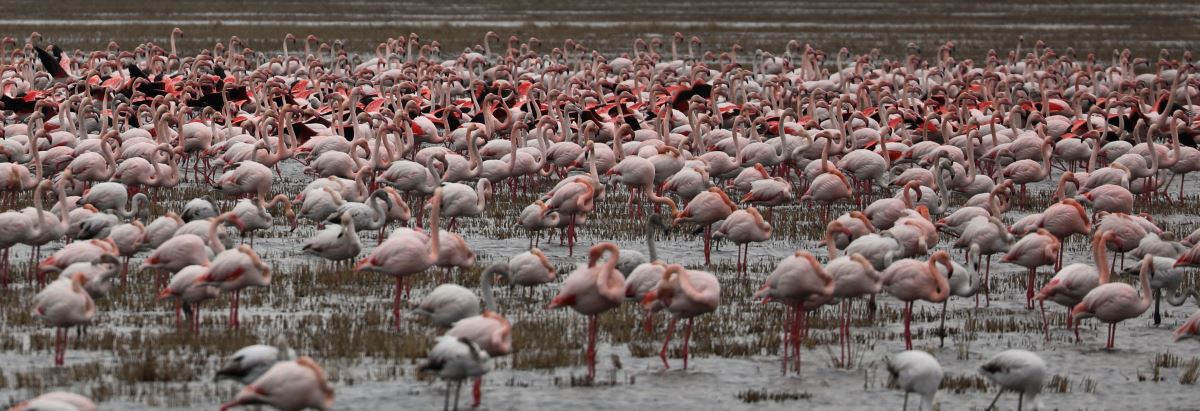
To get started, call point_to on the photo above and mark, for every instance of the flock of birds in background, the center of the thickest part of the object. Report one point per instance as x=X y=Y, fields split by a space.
x=708 y=138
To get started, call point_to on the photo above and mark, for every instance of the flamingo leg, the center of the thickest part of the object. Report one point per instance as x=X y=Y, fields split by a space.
x=842 y=333
x=591 y=348
x=477 y=391
x=707 y=244
x=687 y=336
x=1029 y=288
x=987 y=285
x=942 y=327
x=396 y=303
x=1112 y=335
x=1045 y=323
x=907 y=325
x=666 y=343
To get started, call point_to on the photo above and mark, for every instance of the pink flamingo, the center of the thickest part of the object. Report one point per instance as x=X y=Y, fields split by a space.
x=686 y=294
x=1116 y=302
x=64 y=304
x=704 y=210
x=1026 y=171
x=1063 y=220
x=1073 y=282
x=489 y=330
x=574 y=200
x=406 y=254
x=801 y=284
x=910 y=280
x=288 y=385
x=743 y=227
x=853 y=277
x=235 y=269
x=1033 y=251
x=1190 y=328
x=593 y=289
x=186 y=290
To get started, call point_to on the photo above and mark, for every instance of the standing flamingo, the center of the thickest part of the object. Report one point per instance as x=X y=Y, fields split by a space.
x=686 y=294
x=743 y=227
x=64 y=304
x=407 y=254
x=593 y=289
x=1033 y=251
x=1116 y=302
x=235 y=269
x=704 y=210
x=489 y=330
x=853 y=276
x=801 y=284
x=910 y=280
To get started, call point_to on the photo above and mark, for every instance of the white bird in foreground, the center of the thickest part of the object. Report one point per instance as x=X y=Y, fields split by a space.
x=1017 y=370
x=455 y=360
x=916 y=371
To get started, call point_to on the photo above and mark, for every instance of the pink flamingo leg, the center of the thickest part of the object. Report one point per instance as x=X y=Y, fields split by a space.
x=687 y=336
x=666 y=343
x=477 y=392
x=591 y=348
x=907 y=325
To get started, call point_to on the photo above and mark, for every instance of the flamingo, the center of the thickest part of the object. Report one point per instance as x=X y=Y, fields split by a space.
x=853 y=276
x=916 y=372
x=1190 y=328
x=704 y=210
x=288 y=385
x=255 y=216
x=909 y=280
x=335 y=242
x=743 y=227
x=1016 y=370
x=489 y=330
x=1116 y=302
x=188 y=292
x=1033 y=251
x=403 y=255
x=531 y=268
x=455 y=359
x=233 y=270
x=992 y=237
x=251 y=362
x=534 y=219
x=574 y=200
x=57 y=400
x=1073 y=282
x=802 y=284
x=686 y=294
x=591 y=290
x=64 y=304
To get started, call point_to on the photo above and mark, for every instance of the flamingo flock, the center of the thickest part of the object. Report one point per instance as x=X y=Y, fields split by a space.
x=914 y=173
